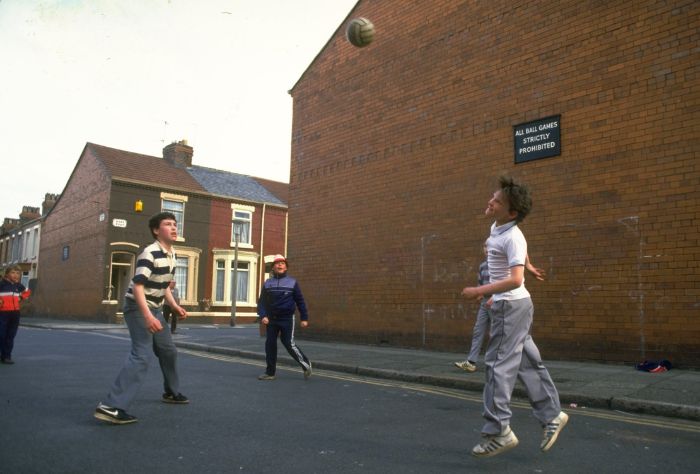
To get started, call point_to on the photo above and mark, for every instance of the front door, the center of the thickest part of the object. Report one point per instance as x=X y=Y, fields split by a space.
x=122 y=271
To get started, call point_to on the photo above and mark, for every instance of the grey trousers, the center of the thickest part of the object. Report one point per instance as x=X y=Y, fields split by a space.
x=481 y=326
x=511 y=355
x=135 y=368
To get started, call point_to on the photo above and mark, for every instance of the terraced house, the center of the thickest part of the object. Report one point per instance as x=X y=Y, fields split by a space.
x=94 y=233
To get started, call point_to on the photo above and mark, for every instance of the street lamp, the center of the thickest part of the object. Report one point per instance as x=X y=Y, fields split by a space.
x=234 y=285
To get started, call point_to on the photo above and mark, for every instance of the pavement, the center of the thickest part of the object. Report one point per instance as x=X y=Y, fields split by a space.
x=675 y=393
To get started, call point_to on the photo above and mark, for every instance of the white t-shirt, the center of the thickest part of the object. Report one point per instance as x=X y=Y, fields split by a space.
x=506 y=248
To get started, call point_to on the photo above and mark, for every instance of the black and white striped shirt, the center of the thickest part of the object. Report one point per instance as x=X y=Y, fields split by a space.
x=155 y=269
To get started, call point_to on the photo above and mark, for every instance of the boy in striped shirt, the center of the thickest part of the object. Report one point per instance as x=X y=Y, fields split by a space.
x=143 y=314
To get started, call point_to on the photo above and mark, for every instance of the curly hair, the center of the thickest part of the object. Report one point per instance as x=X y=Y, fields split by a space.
x=518 y=196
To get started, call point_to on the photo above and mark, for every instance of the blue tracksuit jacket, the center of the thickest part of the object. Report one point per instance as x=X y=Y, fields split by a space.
x=280 y=297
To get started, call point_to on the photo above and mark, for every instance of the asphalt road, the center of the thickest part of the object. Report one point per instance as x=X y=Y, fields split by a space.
x=332 y=423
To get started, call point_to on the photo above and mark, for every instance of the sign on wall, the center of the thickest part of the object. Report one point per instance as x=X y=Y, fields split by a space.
x=119 y=223
x=538 y=139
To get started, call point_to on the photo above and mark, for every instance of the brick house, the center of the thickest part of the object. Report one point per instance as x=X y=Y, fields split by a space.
x=19 y=242
x=93 y=235
x=396 y=148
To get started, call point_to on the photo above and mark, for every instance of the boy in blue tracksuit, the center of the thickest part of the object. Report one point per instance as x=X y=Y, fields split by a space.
x=279 y=299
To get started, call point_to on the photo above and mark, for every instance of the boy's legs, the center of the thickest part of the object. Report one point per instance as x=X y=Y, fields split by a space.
x=287 y=338
x=510 y=324
x=166 y=352
x=541 y=390
x=3 y=335
x=9 y=323
x=480 y=327
x=130 y=377
x=271 y=347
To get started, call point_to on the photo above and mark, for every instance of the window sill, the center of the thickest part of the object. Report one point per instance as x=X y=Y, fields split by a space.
x=242 y=246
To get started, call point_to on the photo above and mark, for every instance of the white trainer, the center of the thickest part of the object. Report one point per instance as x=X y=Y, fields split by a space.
x=495 y=444
x=552 y=430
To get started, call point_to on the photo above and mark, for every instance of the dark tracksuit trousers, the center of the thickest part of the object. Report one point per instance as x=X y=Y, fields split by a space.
x=284 y=328
x=9 y=323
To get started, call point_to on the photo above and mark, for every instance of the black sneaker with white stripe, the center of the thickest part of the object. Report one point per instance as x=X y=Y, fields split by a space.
x=116 y=416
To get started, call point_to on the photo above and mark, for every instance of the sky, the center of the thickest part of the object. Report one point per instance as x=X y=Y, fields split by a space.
x=139 y=74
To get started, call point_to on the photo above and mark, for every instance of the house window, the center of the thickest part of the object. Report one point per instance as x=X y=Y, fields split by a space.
x=186 y=274
x=242 y=281
x=220 y=280
x=28 y=245
x=16 y=247
x=35 y=248
x=241 y=225
x=175 y=204
x=181 y=273
x=66 y=252
x=223 y=278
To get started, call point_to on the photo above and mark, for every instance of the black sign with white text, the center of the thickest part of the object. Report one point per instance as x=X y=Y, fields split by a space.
x=538 y=139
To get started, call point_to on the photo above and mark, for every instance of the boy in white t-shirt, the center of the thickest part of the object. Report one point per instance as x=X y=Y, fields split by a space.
x=511 y=353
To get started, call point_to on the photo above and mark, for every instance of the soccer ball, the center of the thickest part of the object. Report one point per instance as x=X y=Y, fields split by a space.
x=360 y=32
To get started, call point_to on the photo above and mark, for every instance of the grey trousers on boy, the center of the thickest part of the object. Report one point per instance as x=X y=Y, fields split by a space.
x=135 y=368
x=511 y=355
x=481 y=327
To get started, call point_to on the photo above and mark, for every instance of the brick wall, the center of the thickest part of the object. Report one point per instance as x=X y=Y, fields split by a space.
x=75 y=287
x=396 y=148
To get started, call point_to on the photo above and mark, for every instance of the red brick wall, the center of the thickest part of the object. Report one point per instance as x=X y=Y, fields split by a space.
x=75 y=287
x=396 y=148
x=275 y=231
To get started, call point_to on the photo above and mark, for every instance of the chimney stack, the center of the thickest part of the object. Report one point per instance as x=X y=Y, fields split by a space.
x=179 y=154
x=29 y=213
x=9 y=224
x=49 y=203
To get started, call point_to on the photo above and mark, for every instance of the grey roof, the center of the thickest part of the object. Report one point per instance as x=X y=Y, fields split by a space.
x=225 y=183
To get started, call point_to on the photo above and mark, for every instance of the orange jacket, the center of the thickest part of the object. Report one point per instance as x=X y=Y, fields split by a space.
x=11 y=294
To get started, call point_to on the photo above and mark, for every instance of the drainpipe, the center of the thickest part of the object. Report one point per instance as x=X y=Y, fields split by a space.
x=261 y=267
x=286 y=230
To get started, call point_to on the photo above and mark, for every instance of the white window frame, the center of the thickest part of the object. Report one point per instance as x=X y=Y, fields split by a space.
x=249 y=210
x=192 y=256
x=35 y=249
x=227 y=256
x=176 y=198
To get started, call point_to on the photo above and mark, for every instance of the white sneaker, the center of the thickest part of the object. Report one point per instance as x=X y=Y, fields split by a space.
x=552 y=429
x=307 y=372
x=495 y=444
x=466 y=366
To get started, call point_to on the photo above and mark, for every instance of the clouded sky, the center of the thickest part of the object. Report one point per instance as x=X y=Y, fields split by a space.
x=139 y=74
